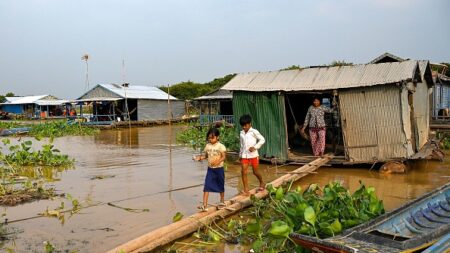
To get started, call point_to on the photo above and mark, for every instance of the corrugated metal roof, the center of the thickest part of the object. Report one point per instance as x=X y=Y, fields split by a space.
x=217 y=94
x=24 y=100
x=137 y=92
x=382 y=57
x=325 y=78
x=97 y=99
x=51 y=102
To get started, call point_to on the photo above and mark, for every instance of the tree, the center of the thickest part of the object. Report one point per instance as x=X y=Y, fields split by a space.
x=189 y=90
x=336 y=63
x=292 y=67
x=3 y=97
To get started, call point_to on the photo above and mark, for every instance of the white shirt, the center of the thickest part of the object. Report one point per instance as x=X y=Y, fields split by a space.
x=252 y=138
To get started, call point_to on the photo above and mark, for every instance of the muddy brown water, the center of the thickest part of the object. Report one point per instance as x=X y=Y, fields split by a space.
x=143 y=168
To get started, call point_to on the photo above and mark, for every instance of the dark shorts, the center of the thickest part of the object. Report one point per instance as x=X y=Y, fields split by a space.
x=215 y=180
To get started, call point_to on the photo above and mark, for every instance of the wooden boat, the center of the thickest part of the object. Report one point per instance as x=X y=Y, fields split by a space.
x=412 y=227
x=14 y=131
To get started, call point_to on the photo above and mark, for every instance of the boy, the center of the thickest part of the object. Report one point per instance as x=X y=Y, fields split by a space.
x=251 y=140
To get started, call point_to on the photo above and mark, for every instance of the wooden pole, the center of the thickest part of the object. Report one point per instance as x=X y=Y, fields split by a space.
x=177 y=230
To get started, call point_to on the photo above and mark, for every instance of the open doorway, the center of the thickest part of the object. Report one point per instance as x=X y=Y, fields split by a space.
x=297 y=105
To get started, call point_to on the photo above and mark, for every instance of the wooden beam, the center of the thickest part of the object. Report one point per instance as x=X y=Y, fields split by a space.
x=167 y=234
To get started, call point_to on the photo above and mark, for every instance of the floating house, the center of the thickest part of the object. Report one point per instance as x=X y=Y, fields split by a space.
x=41 y=106
x=382 y=112
x=215 y=106
x=111 y=102
x=440 y=106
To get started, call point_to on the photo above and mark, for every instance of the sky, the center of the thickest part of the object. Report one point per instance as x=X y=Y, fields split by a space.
x=163 y=42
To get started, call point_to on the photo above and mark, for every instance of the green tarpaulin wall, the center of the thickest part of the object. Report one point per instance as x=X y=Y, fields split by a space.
x=268 y=113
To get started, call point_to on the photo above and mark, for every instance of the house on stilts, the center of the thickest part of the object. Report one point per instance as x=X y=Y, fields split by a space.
x=382 y=113
x=113 y=102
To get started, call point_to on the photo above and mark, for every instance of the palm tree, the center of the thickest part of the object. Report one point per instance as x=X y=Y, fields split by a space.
x=85 y=58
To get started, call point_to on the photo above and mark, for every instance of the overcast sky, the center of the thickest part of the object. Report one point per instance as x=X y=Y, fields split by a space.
x=168 y=41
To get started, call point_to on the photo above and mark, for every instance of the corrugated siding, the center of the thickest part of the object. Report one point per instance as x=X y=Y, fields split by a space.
x=445 y=96
x=268 y=113
x=158 y=109
x=372 y=123
x=437 y=98
x=441 y=97
x=99 y=92
x=421 y=114
x=18 y=109
x=325 y=78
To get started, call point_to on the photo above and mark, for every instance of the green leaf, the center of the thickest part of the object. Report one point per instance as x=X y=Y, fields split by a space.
x=178 y=216
x=336 y=226
x=310 y=215
x=279 y=229
x=258 y=245
x=213 y=236
x=253 y=227
x=279 y=194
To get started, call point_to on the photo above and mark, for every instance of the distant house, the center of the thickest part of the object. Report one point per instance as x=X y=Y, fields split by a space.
x=216 y=106
x=387 y=57
x=382 y=114
x=41 y=106
x=112 y=101
x=441 y=98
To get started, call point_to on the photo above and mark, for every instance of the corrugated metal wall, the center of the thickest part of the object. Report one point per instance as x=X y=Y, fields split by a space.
x=372 y=123
x=99 y=92
x=157 y=109
x=17 y=109
x=268 y=112
x=421 y=114
x=441 y=97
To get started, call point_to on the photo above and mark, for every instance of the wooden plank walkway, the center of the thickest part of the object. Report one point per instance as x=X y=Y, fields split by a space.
x=167 y=234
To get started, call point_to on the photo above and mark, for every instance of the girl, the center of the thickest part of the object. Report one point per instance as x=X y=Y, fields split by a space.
x=215 y=177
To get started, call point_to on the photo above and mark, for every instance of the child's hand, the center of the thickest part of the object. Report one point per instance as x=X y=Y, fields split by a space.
x=251 y=149
x=215 y=162
x=197 y=158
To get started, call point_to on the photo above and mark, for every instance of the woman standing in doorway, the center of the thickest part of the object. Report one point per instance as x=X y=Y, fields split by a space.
x=315 y=120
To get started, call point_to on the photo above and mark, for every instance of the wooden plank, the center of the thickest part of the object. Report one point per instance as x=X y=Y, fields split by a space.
x=167 y=234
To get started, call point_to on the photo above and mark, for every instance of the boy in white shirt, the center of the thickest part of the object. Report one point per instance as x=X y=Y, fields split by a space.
x=251 y=140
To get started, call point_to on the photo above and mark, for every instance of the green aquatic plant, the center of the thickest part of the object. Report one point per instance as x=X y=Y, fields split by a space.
x=25 y=171
x=195 y=137
x=23 y=155
x=8 y=124
x=319 y=212
x=60 y=128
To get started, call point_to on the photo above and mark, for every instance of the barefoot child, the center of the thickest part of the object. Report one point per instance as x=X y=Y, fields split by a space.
x=215 y=177
x=251 y=141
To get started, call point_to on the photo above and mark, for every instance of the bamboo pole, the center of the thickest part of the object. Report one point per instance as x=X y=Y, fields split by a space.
x=164 y=235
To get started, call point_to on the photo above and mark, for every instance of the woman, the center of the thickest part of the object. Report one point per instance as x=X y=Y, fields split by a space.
x=315 y=119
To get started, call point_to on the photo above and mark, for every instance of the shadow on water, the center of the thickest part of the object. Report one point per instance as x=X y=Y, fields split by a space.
x=143 y=168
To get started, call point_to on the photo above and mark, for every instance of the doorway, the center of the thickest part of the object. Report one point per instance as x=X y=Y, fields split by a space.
x=297 y=105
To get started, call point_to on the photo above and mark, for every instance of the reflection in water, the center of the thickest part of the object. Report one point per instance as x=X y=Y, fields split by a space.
x=147 y=169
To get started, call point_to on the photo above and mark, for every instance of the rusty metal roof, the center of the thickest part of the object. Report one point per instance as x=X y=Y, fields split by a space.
x=325 y=78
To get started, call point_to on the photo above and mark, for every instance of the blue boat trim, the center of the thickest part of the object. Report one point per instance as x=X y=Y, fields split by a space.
x=436 y=210
x=412 y=228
